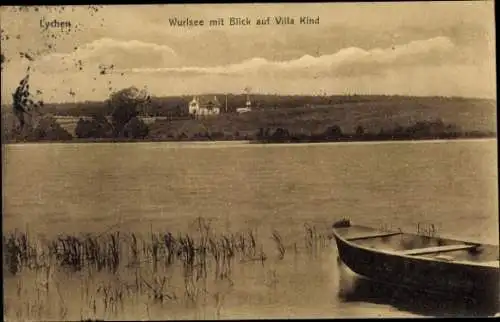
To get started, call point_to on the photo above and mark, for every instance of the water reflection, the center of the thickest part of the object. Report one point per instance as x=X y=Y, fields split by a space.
x=358 y=289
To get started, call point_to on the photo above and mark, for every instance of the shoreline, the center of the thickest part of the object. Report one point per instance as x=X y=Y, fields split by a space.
x=252 y=142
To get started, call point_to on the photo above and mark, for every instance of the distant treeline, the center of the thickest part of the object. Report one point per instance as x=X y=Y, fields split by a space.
x=122 y=122
x=422 y=130
x=44 y=129
x=101 y=130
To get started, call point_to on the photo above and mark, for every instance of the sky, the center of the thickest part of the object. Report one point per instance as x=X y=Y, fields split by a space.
x=414 y=48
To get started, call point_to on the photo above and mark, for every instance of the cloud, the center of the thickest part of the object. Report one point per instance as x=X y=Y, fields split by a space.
x=350 y=61
x=107 y=51
x=425 y=67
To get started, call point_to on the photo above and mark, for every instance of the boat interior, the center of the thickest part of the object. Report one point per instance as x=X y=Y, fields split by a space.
x=420 y=245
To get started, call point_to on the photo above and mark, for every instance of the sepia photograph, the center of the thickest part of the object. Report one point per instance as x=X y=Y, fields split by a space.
x=249 y=161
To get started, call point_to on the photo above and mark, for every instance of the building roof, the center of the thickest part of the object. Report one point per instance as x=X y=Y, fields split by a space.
x=207 y=101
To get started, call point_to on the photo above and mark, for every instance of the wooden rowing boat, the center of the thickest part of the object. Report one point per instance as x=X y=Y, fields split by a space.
x=427 y=263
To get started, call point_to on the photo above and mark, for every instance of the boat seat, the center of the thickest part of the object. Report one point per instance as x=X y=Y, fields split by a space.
x=445 y=258
x=437 y=249
x=383 y=234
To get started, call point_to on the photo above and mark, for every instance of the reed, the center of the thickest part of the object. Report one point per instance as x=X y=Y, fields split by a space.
x=115 y=268
x=426 y=230
x=279 y=244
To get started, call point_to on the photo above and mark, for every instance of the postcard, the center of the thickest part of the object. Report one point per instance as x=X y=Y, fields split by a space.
x=235 y=161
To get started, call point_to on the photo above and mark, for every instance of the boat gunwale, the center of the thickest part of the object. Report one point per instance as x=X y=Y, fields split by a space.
x=484 y=264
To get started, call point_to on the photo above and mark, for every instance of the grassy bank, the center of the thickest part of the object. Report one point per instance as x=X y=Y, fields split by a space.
x=380 y=117
x=422 y=130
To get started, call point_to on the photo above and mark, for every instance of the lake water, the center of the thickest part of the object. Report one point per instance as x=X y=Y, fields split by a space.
x=49 y=189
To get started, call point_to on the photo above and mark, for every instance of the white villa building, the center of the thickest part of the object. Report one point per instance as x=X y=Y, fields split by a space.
x=204 y=106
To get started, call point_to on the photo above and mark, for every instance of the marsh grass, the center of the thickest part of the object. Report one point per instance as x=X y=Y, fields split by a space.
x=116 y=274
